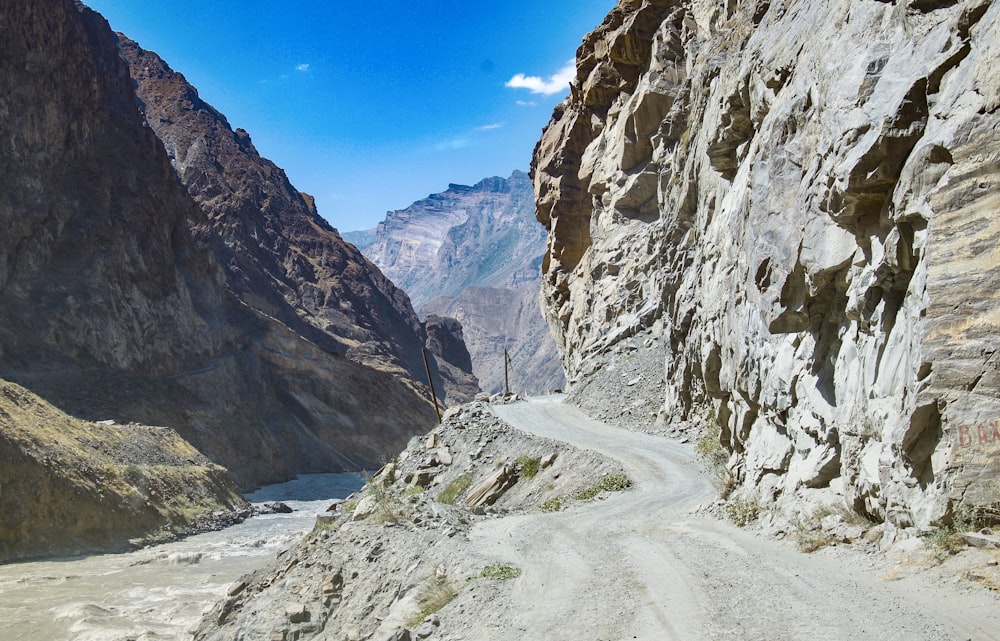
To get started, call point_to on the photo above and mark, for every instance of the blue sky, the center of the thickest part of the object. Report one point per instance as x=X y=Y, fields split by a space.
x=372 y=105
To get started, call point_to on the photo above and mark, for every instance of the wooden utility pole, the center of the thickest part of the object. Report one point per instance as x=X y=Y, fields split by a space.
x=430 y=381
x=506 y=375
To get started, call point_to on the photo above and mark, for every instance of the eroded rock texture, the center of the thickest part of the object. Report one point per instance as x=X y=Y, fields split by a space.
x=802 y=199
x=281 y=257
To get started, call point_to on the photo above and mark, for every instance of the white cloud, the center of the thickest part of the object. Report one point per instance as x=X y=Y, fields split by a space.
x=302 y=67
x=494 y=125
x=556 y=83
x=526 y=103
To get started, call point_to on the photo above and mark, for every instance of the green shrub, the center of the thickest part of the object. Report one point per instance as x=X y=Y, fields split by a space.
x=948 y=536
x=133 y=474
x=714 y=457
x=528 y=465
x=453 y=490
x=610 y=483
x=502 y=571
x=742 y=510
x=552 y=505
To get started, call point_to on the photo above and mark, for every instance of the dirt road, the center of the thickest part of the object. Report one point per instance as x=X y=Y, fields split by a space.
x=639 y=565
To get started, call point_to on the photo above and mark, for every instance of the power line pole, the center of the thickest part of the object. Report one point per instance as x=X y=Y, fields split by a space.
x=506 y=374
x=430 y=381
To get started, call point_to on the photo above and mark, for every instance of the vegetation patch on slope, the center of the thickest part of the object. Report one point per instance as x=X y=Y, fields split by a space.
x=70 y=486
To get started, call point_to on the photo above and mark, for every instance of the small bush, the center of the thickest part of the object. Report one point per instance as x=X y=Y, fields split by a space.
x=528 y=465
x=709 y=450
x=413 y=490
x=502 y=571
x=552 y=505
x=133 y=474
x=453 y=490
x=610 y=483
x=948 y=536
x=742 y=511
x=810 y=540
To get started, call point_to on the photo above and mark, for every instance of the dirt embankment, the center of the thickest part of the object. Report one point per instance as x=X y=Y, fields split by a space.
x=69 y=486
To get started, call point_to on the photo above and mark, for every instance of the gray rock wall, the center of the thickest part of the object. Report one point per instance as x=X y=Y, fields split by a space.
x=801 y=199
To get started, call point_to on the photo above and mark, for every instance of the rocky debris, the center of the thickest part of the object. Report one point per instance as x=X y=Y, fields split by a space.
x=367 y=578
x=491 y=488
x=982 y=539
x=781 y=224
x=473 y=253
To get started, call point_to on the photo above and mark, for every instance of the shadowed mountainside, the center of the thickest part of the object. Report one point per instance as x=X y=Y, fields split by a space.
x=121 y=299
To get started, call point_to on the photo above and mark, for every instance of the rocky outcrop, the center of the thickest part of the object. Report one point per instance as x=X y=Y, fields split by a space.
x=481 y=236
x=281 y=257
x=494 y=318
x=805 y=226
x=118 y=300
x=69 y=486
x=473 y=253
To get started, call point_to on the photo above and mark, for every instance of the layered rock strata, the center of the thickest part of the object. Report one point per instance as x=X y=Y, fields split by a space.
x=473 y=253
x=797 y=201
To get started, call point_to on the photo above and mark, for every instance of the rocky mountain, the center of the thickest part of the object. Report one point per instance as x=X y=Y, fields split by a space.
x=800 y=230
x=123 y=298
x=281 y=257
x=495 y=317
x=473 y=253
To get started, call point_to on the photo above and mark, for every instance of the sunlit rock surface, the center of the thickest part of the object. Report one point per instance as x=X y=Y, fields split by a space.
x=801 y=198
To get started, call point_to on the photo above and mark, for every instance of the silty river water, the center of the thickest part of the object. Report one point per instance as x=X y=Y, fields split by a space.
x=161 y=592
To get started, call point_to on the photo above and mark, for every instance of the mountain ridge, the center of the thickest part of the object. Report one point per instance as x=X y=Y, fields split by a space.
x=474 y=252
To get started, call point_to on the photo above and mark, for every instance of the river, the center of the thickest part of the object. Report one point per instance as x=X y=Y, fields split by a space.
x=160 y=592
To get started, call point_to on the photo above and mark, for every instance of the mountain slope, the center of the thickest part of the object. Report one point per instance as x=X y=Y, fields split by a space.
x=281 y=256
x=117 y=299
x=800 y=230
x=472 y=253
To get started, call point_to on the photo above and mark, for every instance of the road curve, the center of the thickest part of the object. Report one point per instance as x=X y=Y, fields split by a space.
x=639 y=565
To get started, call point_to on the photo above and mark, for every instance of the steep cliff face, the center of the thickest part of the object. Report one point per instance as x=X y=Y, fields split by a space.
x=798 y=200
x=473 y=253
x=116 y=300
x=281 y=257
x=482 y=236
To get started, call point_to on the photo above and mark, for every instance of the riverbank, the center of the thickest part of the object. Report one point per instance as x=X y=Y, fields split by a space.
x=69 y=486
x=159 y=592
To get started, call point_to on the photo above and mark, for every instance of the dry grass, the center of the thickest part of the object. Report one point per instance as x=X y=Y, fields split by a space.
x=436 y=593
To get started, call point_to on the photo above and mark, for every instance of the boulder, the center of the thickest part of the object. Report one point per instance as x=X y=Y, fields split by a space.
x=487 y=491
